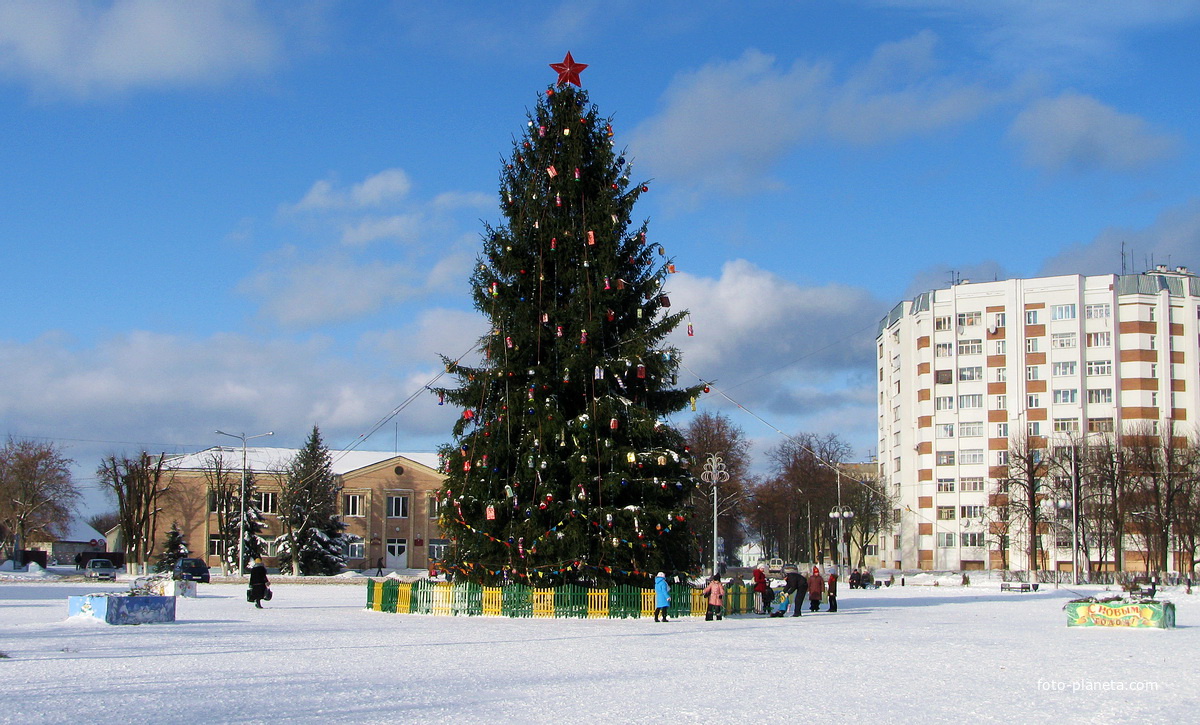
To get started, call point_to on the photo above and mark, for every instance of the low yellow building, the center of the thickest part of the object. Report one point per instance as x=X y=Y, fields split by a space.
x=386 y=502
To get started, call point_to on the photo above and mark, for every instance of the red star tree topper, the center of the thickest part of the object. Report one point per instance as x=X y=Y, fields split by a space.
x=568 y=70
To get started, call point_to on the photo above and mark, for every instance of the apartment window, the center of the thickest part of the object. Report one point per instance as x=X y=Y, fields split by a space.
x=998 y=319
x=1066 y=425
x=397 y=507
x=943 y=377
x=1099 y=367
x=945 y=402
x=1032 y=372
x=1154 y=342
x=1066 y=395
x=999 y=347
x=972 y=539
x=945 y=458
x=1101 y=311
x=1031 y=344
x=1034 y=428
x=1031 y=317
x=1062 y=340
x=944 y=349
x=945 y=485
x=972 y=484
x=267 y=502
x=966 y=402
x=1002 y=430
x=969 y=319
x=433 y=507
x=941 y=323
x=1100 y=425
x=1062 y=312
x=971 y=455
x=355 y=550
x=1033 y=401
x=896 y=464
x=1153 y=310
x=971 y=512
x=352 y=504
x=1063 y=369
x=970 y=347
x=945 y=513
x=945 y=539
x=945 y=430
x=1153 y=399
x=970 y=430
x=969 y=374
x=1154 y=370
x=896 y=414
x=216 y=545
x=1099 y=339
x=999 y=375
x=896 y=540
x=1001 y=458
x=1099 y=395
x=1000 y=402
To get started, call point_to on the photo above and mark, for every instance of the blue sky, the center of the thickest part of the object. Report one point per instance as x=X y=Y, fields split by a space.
x=261 y=216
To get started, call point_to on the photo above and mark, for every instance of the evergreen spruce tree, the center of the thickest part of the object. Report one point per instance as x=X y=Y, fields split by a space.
x=174 y=549
x=563 y=468
x=311 y=542
x=254 y=542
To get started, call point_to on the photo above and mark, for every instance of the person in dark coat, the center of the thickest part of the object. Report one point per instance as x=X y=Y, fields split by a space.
x=855 y=579
x=258 y=583
x=833 y=577
x=816 y=585
x=795 y=586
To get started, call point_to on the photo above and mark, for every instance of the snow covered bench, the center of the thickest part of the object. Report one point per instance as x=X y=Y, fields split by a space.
x=1015 y=587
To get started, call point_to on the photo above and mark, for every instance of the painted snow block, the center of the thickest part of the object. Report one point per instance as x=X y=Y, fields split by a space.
x=1142 y=615
x=123 y=610
x=179 y=588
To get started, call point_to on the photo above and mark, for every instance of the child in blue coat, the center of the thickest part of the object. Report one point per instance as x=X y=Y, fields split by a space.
x=662 y=596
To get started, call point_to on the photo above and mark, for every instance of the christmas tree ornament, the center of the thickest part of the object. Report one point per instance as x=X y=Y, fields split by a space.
x=607 y=286
x=583 y=337
x=670 y=269
x=599 y=373
x=441 y=398
x=664 y=301
x=691 y=330
x=591 y=238
x=577 y=173
x=609 y=315
x=553 y=243
x=641 y=372
x=558 y=331
x=551 y=171
x=613 y=424
x=491 y=513
x=557 y=200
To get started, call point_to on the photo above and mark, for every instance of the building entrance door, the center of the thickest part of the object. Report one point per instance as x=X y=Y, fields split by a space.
x=397 y=553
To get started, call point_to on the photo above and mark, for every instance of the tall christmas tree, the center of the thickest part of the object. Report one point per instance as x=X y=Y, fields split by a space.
x=562 y=467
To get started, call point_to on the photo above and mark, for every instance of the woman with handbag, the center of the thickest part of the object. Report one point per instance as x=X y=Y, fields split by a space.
x=259 y=585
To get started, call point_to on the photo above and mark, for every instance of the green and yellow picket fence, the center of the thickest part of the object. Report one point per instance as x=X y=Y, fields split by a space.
x=519 y=600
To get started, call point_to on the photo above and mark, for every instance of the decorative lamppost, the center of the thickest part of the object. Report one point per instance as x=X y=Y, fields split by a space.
x=841 y=514
x=242 y=523
x=714 y=474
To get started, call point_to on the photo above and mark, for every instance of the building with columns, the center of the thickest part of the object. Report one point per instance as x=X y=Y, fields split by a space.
x=962 y=370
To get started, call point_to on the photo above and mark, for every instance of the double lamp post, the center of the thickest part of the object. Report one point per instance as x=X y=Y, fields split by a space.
x=242 y=522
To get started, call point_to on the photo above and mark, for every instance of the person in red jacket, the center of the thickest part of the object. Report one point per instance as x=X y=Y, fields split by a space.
x=816 y=585
x=832 y=588
x=760 y=589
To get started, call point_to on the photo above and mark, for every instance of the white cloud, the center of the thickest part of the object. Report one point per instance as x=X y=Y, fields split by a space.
x=1077 y=133
x=331 y=290
x=1173 y=238
x=387 y=186
x=86 y=49
x=726 y=125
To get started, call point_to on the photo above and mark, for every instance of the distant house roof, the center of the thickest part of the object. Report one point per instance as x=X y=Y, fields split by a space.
x=272 y=459
x=79 y=531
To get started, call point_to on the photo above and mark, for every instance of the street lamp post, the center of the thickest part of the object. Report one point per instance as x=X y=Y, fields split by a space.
x=242 y=522
x=840 y=514
x=714 y=474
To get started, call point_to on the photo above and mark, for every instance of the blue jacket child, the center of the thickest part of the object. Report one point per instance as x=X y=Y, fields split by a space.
x=662 y=597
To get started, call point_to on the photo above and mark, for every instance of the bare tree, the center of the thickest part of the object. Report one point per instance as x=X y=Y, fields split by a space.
x=872 y=507
x=1162 y=466
x=37 y=494
x=137 y=484
x=1023 y=492
x=710 y=434
x=223 y=486
x=803 y=489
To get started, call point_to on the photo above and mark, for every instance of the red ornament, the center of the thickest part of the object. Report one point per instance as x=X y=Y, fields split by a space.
x=568 y=70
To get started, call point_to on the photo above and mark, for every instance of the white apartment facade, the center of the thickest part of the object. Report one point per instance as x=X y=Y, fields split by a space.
x=961 y=368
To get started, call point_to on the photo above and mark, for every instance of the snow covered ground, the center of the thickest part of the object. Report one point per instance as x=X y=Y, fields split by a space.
x=917 y=653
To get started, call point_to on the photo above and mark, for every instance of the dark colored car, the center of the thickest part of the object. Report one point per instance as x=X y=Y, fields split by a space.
x=191 y=570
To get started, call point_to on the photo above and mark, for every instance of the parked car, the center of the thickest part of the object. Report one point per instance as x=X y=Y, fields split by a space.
x=100 y=569
x=191 y=570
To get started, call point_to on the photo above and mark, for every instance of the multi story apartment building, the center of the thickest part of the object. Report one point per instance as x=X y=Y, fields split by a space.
x=963 y=370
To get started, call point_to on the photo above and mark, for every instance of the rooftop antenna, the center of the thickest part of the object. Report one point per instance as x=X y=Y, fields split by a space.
x=1122 y=257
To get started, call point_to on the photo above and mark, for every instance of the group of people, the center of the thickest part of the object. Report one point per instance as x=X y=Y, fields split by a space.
x=796 y=586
